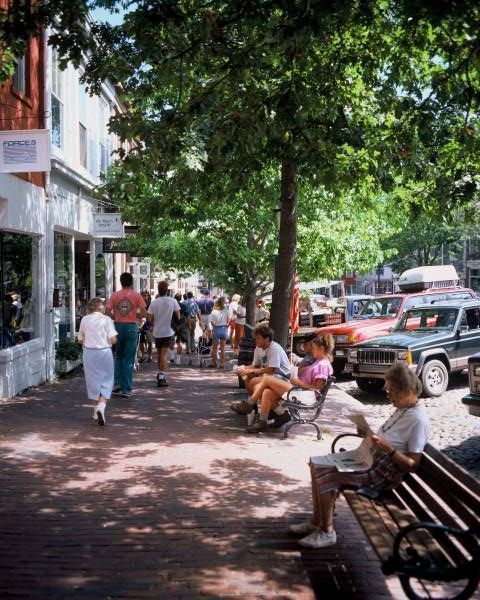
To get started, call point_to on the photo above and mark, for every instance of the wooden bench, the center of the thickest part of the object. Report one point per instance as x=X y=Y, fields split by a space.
x=426 y=530
x=304 y=413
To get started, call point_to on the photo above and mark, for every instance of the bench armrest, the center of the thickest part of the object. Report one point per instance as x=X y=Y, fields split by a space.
x=339 y=437
x=293 y=402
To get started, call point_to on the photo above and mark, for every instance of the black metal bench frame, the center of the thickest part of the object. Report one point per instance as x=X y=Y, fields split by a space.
x=306 y=414
x=431 y=521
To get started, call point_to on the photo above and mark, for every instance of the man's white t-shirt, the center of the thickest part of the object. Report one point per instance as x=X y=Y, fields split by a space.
x=96 y=330
x=162 y=309
x=274 y=356
x=408 y=429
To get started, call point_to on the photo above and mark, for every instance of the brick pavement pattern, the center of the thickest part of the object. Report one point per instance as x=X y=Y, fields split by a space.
x=170 y=500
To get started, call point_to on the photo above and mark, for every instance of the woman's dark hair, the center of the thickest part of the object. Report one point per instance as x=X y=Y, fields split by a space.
x=326 y=341
x=126 y=280
x=220 y=303
x=162 y=288
x=264 y=331
x=403 y=380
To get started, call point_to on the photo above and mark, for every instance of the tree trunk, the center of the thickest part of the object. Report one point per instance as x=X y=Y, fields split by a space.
x=250 y=297
x=286 y=262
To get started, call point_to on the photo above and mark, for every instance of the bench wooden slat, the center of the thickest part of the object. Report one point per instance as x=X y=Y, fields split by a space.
x=438 y=511
x=449 y=494
x=379 y=536
x=422 y=515
x=446 y=483
x=401 y=517
x=455 y=470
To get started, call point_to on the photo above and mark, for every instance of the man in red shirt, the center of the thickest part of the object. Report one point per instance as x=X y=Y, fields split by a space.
x=125 y=307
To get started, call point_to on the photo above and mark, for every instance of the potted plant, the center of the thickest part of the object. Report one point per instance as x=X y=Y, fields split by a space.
x=68 y=355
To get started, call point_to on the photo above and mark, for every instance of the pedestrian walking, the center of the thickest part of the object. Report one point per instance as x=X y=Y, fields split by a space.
x=160 y=313
x=97 y=334
x=232 y=317
x=205 y=305
x=219 y=321
x=193 y=315
x=180 y=326
x=146 y=336
x=125 y=307
x=240 y=320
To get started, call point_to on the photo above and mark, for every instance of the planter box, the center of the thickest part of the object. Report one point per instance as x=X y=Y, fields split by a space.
x=65 y=366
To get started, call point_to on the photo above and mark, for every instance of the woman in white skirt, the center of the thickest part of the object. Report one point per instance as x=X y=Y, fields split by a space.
x=97 y=335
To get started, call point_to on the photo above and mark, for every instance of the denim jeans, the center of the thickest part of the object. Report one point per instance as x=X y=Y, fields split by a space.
x=125 y=351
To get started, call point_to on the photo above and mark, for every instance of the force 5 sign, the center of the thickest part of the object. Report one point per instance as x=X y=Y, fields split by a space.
x=25 y=151
x=108 y=225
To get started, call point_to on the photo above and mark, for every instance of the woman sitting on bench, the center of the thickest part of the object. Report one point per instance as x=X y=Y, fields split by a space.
x=313 y=377
x=397 y=449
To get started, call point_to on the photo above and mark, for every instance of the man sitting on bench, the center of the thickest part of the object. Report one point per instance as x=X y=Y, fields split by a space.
x=397 y=449
x=269 y=358
x=313 y=377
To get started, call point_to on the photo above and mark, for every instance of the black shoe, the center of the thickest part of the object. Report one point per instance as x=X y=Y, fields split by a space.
x=281 y=419
x=117 y=389
x=161 y=381
x=126 y=394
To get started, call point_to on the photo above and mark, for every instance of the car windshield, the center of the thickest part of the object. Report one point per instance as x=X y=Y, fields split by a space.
x=381 y=308
x=428 y=319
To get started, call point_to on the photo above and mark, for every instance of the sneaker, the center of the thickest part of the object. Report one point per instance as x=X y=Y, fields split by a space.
x=242 y=407
x=101 y=414
x=280 y=420
x=95 y=418
x=117 y=389
x=319 y=539
x=258 y=427
x=126 y=394
x=303 y=528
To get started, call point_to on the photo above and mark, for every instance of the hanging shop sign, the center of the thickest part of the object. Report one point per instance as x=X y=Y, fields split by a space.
x=24 y=151
x=116 y=246
x=108 y=225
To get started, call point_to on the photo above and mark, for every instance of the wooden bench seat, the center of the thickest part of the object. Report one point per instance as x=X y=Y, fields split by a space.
x=427 y=529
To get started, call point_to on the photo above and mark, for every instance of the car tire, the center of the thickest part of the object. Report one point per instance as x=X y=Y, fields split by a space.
x=370 y=385
x=434 y=378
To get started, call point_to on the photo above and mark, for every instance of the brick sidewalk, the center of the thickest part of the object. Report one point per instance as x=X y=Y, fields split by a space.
x=170 y=500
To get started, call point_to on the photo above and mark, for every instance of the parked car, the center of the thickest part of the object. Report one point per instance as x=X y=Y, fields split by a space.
x=433 y=340
x=378 y=317
x=472 y=400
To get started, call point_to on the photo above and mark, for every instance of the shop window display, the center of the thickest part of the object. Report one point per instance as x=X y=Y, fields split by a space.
x=18 y=282
x=63 y=263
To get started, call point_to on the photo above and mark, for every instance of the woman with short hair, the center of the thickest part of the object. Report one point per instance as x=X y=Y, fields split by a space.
x=397 y=449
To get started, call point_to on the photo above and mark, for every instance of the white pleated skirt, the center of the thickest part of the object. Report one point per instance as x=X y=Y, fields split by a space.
x=98 y=369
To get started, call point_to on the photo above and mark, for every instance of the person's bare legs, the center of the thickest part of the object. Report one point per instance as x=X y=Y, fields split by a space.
x=222 y=353
x=251 y=383
x=323 y=504
x=214 y=353
x=269 y=401
x=162 y=359
x=99 y=410
x=279 y=386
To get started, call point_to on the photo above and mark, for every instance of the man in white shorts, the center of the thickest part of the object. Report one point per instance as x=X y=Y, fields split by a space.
x=269 y=358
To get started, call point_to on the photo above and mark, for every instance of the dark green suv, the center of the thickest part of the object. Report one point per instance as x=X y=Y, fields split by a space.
x=433 y=339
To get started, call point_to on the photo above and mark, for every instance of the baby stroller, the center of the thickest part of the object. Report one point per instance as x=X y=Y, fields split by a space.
x=204 y=349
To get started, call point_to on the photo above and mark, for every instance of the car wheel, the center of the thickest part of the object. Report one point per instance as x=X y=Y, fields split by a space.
x=370 y=385
x=434 y=377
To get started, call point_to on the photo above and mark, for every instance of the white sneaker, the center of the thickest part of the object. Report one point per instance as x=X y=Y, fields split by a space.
x=101 y=413
x=319 y=539
x=303 y=528
x=95 y=418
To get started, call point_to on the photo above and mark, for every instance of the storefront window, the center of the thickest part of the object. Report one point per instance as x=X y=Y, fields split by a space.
x=18 y=282
x=82 y=279
x=62 y=286
x=100 y=272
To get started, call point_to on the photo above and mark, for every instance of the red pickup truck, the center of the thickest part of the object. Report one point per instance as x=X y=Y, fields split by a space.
x=378 y=317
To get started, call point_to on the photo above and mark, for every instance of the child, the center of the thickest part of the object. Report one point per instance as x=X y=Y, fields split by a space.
x=97 y=335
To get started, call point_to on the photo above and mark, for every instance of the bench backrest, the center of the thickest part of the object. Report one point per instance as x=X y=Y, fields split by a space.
x=442 y=492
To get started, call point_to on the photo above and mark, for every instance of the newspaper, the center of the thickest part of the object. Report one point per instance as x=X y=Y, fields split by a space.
x=359 y=459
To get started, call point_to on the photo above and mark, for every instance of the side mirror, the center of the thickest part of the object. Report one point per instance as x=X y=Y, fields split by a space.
x=463 y=329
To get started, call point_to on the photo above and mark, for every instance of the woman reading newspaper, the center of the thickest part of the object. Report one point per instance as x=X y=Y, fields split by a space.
x=394 y=450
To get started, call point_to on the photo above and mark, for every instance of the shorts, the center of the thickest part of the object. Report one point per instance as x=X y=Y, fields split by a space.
x=219 y=333
x=282 y=377
x=146 y=337
x=205 y=321
x=163 y=342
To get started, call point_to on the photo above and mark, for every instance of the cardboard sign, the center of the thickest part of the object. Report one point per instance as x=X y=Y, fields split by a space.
x=24 y=151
